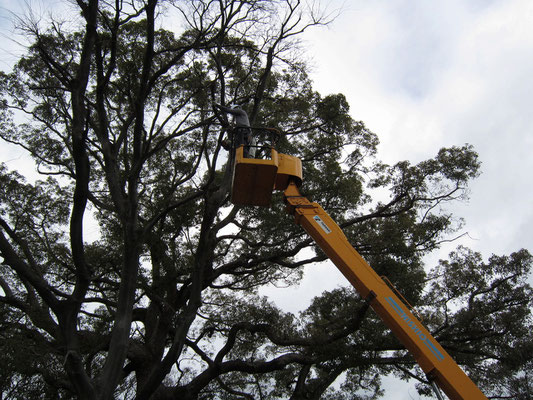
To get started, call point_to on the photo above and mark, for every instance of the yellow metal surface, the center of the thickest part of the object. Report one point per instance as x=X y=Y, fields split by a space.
x=290 y=170
x=431 y=357
x=255 y=179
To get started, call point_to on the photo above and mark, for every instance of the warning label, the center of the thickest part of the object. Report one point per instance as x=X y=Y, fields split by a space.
x=322 y=224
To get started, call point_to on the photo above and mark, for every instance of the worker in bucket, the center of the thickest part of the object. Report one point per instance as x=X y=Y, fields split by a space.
x=242 y=130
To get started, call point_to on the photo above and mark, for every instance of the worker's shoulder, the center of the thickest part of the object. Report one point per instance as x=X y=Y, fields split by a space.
x=238 y=111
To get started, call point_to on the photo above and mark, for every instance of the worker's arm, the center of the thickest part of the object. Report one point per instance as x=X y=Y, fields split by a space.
x=432 y=358
x=241 y=117
x=228 y=110
x=237 y=112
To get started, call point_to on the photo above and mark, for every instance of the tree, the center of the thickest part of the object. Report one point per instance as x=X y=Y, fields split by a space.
x=117 y=113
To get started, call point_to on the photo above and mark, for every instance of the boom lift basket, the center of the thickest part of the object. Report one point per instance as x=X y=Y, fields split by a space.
x=255 y=179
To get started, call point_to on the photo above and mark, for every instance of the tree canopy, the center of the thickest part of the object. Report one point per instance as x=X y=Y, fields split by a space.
x=116 y=109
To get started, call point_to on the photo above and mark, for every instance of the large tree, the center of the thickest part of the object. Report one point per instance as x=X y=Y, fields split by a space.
x=117 y=111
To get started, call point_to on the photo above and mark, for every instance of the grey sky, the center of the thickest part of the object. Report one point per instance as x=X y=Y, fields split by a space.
x=425 y=74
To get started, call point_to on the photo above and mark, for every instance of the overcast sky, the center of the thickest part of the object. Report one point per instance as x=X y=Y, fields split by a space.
x=423 y=75
x=427 y=74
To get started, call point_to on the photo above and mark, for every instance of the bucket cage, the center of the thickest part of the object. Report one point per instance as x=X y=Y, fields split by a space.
x=254 y=179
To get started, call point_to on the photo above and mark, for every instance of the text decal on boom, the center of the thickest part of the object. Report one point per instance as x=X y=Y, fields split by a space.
x=415 y=328
x=322 y=224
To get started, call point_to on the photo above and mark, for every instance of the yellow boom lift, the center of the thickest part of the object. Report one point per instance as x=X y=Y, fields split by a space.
x=254 y=180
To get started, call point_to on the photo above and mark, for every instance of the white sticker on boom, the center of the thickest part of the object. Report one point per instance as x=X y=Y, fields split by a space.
x=322 y=224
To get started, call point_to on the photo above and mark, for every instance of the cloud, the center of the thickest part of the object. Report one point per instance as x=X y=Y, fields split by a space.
x=424 y=75
x=484 y=98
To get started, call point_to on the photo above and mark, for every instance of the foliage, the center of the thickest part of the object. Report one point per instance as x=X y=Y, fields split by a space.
x=117 y=113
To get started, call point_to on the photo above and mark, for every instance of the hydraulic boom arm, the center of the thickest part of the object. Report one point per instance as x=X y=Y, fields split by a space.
x=253 y=183
x=432 y=358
